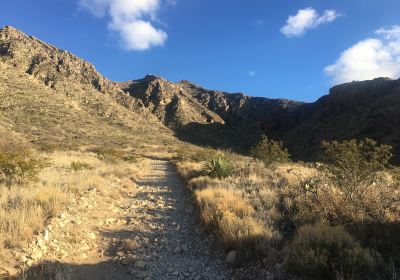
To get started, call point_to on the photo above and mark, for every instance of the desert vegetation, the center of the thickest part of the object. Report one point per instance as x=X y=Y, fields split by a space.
x=333 y=219
x=36 y=186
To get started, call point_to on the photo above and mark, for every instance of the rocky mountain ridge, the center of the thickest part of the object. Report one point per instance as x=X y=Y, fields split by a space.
x=174 y=106
x=351 y=110
x=54 y=67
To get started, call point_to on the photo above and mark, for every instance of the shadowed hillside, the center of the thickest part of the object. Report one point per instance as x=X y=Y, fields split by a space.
x=353 y=110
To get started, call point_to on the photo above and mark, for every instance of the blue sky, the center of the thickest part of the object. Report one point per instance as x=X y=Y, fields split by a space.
x=235 y=45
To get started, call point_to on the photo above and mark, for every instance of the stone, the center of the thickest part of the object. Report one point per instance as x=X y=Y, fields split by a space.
x=140 y=264
x=46 y=235
x=231 y=257
x=91 y=235
x=128 y=260
x=178 y=250
x=120 y=253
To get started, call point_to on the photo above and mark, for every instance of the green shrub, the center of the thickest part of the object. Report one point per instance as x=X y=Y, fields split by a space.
x=184 y=153
x=269 y=151
x=324 y=252
x=19 y=166
x=112 y=155
x=219 y=166
x=354 y=165
x=79 y=165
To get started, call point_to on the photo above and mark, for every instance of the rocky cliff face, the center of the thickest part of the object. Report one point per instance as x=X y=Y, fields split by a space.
x=174 y=106
x=183 y=103
x=56 y=68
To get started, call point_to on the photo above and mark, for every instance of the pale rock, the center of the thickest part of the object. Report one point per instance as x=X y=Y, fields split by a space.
x=231 y=257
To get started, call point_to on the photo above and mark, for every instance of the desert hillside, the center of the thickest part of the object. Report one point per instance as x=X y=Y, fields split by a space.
x=57 y=99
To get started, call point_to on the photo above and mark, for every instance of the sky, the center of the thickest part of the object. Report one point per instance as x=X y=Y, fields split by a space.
x=293 y=49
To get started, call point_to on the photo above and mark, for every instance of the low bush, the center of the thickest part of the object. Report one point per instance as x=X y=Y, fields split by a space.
x=19 y=166
x=79 y=165
x=112 y=155
x=269 y=151
x=219 y=166
x=184 y=153
x=354 y=165
x=324 y=252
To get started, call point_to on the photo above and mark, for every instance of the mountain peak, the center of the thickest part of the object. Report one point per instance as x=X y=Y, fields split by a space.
x=10 y=28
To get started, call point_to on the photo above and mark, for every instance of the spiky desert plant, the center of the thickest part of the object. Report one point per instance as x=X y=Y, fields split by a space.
x=219 y=166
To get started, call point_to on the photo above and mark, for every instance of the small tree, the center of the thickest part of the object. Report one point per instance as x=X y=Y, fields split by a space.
x=353 y=165
x=269 y=151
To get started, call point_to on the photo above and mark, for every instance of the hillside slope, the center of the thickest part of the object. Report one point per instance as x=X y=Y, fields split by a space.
x=55 y=98
x=352 y=110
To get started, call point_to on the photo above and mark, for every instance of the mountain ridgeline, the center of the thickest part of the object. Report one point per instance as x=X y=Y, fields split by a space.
x=51 y=95
x=208 y=117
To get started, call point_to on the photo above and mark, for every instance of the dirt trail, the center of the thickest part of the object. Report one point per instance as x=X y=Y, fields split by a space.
x=150 y=233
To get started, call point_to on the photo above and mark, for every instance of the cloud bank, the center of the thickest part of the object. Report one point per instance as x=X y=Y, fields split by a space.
x=131 y=19
x=305 y=19
x=369 y=58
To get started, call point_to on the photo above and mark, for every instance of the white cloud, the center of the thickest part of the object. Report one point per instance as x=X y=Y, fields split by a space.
x=369 y=58
x=308 y=18
x=252 y=73
x=132 y=19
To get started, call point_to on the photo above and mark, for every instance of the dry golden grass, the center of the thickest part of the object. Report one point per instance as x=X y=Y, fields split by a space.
x=217 y=201
x=24 y=209
x=188 y=170
x=233 y=220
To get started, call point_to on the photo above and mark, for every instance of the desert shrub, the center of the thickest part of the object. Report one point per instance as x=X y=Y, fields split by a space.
x=80 y=165
x=18 y=166
x=184 y=153
x=112 y=155
x=108 y=154
x=352 y=186
x=354 y=165
x=269 y=151
x=324 y=252
x=219 y=166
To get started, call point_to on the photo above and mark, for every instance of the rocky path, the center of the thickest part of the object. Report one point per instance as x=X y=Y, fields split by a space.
x=150 y=233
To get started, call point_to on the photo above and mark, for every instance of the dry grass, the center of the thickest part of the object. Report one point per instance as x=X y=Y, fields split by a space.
x=188 y=170
x=24 y=209
x=232 y=218
x=259 y=207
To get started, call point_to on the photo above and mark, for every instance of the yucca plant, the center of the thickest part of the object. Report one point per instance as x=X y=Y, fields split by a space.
x=219 y=166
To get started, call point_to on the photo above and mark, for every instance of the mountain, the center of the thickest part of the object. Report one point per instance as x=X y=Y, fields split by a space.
x=352 y=110
x=174 y=106
x=51 y=97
